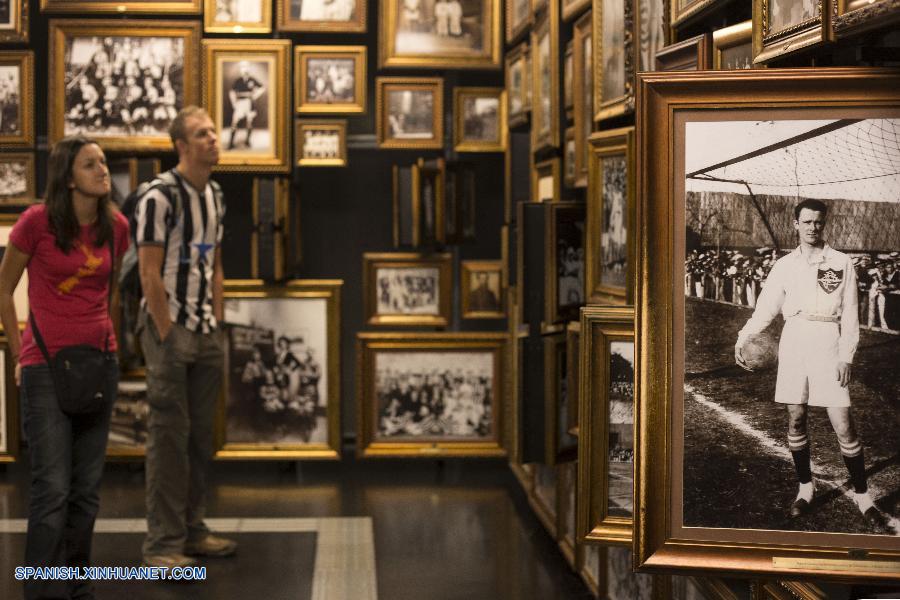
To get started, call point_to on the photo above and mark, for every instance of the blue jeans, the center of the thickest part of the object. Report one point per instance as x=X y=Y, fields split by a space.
x=67 y=455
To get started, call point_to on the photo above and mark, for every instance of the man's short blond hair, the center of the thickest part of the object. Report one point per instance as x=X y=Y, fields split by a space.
x=177 y=129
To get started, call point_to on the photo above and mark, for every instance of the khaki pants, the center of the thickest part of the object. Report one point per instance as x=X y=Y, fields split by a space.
x=184 y=375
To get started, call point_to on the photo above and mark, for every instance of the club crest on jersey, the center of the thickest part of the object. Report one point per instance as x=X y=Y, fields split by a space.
x=830 y=279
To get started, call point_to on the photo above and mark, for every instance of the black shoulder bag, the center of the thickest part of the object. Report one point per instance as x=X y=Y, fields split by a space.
x=80 y=372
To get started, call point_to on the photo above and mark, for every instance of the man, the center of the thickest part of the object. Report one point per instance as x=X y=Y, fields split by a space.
x=244 y=92
x=481 y=297
x=179 y=232
x=814 y=287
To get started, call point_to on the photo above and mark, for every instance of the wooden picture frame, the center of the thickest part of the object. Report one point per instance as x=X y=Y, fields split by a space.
x=392 y=110
x=573 y=8
x=261 y=107
x=774 y=38
x=290 y=17
x=129 y=422
x=610 y=247
x=732 y=47
x=414 y=41
x=482 y=289
x=70 y=114
x=518 y=81
x=312 y=65
x=564 y=269
x=853 y=17
x=271 y=233
x=219 y=18
x=386 y=430
x=9 y=407
x=382 y=296
x=693 y=54
x=18 y=65
x=17 y=175
x=294 y=415
x=153 y=7
x=474 y=127
x=613 y=58
x=559 y=445
x=573 y=348
x=324 y=152
x=518 y=19
x=843 y=97
x=545 y=79
x=546 y=181
x=15 y=27
x=582 y=32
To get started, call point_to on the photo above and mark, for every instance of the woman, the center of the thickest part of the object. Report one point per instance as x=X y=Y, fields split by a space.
x=65 y=243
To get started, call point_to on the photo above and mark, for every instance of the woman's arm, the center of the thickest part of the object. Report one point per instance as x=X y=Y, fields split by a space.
x=11 y=269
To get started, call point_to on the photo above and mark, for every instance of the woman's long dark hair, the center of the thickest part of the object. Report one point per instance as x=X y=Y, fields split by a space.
x=60 y=210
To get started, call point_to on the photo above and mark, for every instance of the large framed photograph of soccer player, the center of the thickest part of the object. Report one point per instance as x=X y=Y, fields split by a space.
x=13 y=21
x=407 y=289
x=17 y=179
x=336 y=16
x=431 y=394
x=129 y=423
x=479 y=119
x=281 y=396
x=16 y=98
x=409 y=112
x=158 y=7
x=129 y=110
x=440 y=34
x=330 y=79
x=320 y=143
x=613 y=58
x=545 y=80
x=606 y=444
x=245 y=92
x=481 y=288
x=237 y=16
x=766 y=332
x=783 y=28
x=609 y=251
x=9 y=407
x=20 y=295
x=854 y=17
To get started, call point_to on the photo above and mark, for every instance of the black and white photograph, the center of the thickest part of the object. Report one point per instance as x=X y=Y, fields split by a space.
x=410 y=114
x=321 y=147
x=16 y=179
x=544 y=85
x=569 y=78
x=10 y=100
x=330 y=80
x=129 y=422
x=434 y=395
x=620 y=481
x=515 y=82
x=614 y=222
x=517 y=14
x=277 y=383
x=792 y=325
x=481 y=119
x=238 y=11
x=7 y=12
x=440 y=27
x=621 y=581
x=482 y=286
x=569 y=262
x=612 y=51
x=246 y=105
x=339 y=11
x=737 y=57
x=569 y=152
x=651 y=32
x=784 y=14
x=408 y=290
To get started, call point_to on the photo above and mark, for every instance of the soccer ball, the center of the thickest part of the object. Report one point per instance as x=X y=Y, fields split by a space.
x=760 y=352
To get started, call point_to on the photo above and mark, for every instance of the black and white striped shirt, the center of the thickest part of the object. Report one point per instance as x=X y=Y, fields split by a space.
x=189 y=247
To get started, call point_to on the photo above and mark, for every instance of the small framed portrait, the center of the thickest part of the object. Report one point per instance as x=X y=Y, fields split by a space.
x=336 y=16
x=543 y=497
x=410 y=112
x=750 y=381
x=784 y=27
x=613 y=59
x=431 y=394
x=16 y=98
x=237 y=16
x=245 y=91
x=569 y=157
x=568 y=80
x=479 y=119
x=282 y=371
x=518 y=77
x=610 y=214
x=682 y=12
x=270 y=240
x=732 y=47
x=606 y=425
x=321 y=143
x=650 y=32
x=560 y=446
x=693 y=54
x=13 y=21
x=853 y=17
x=20 y=295
x=454 y=34
x=403 y=288
x=132 y=111
x=573 y=8
x=330 y=79
x=546 y=183
x=129 y=424
x=17 y=179
x=9 y=407
x=172 y=7
x=545 y=81
x=584 y=94
x=482 y=289
x=518 y=19
x=565 y=262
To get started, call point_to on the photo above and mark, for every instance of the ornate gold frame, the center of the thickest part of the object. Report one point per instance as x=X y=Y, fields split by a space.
x=692 y=54
x=24 y=59
x=284 y=22
x=852 y=17
x=607 y=108
x=460 y=144
x=155 y=7
x=547 y=168
x=300 y=289
x=383 y=86
x=30 y=195
x=467 y=269
x=210 y=25
x=582 y=31
x=516 y=30
x=519 y=54
x=603 y=144
x=357 y=53
x=61 y=29
x=809 y=34
x=282 y=232
x=729 y=37
x=372 y=261
x=17 y=31
x=573 y=8
x=693 y=9
x=10 y=420
x=367 y=344
x=338 y=125
x=666 y=102
x=545 y=24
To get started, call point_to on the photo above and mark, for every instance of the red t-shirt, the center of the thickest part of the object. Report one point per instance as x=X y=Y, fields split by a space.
x=67 y=292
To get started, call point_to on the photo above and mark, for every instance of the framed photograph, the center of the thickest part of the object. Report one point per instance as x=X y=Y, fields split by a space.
x=16 y=97
x=20 y=295
x=130 y=113
x=410 y=113
x=270 y=240
x=568 y=80
x=158 y=7
x=403 y=288
x=337 y=16
x=545 y=79
x=479 y=116
x=17 y=179
x=330 y=79
x=584 y=94
x=682 y=12
x=606 y=425
x=565 y=261
x=482 y=289
x=569 y=157
x=852 y=17
x=440 y=34
x=431 y=394
x=703 y=223
x=650 y=32
x=9 y=408
x=13 y=21
x=693 y=54
x=518 y=19
x=610 y=217
x=785 y=27
x=613 y=59
x=546 y=184
x=321 y=143
x=573 y=387
x=129 y=424
x=567 y=511
x=559 y=445
x=126 y=174
x=732 y=47
x=573 y=8
x=518 y=79
x=543 y=497
x=237 y=16
x=282 y=395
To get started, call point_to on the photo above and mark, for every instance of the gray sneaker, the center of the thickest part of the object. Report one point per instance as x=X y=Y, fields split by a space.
x=168 y=561
x=211 y=545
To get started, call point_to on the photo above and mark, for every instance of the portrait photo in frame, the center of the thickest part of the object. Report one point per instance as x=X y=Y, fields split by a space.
x=407 y=288
x=237 y=16
x=341 y=16
x=9 y=407
x=518 y=80
x=17 y=105
x=708 y=129
x=732 y=47
x=17 y=179
x=853 y=17
x=481 y=288
x=409 y=112
x=518 y=19
x=584 y=94
x=14 y=21
x=320 y=143
x=397 y=374
x=454 y=34
x=281 y=396
x=330 y=79
x=785 y=27
x=613 y=59
x=157 y=7
x=245 y=91
x=545 y=79
x=565 y=261
x=479 y=119
x=81 y=52
x=129 y=423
